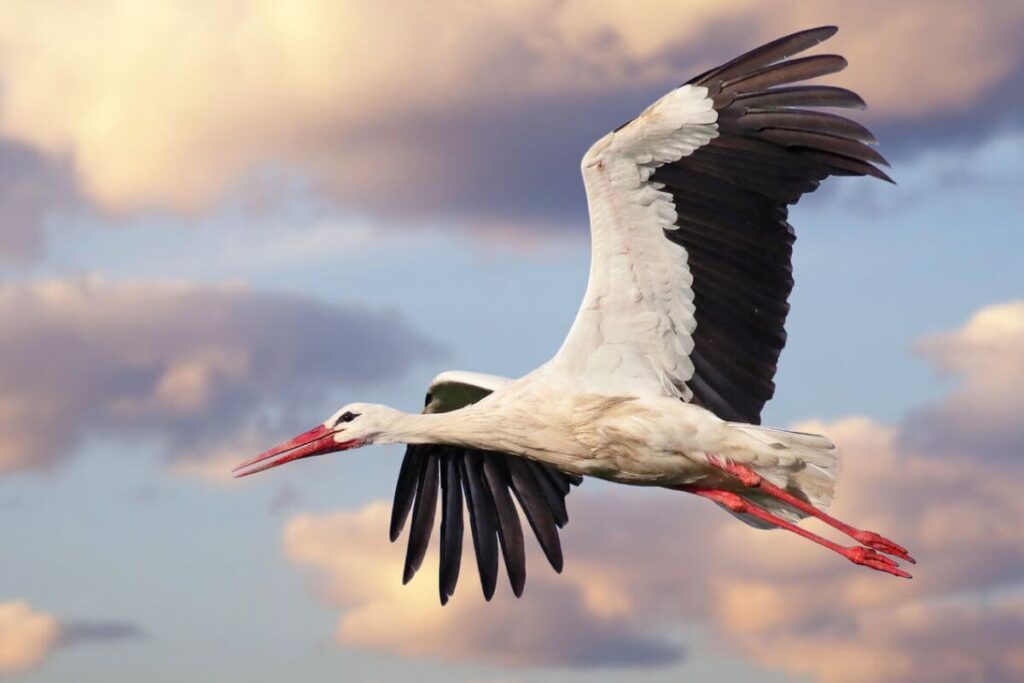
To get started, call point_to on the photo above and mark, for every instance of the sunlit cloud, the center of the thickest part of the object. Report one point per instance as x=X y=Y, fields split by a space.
x=642 y=563
x=26 y=636
x=983 y=414
x=471 y=109
x=919 y=641
x=192 y=366
x=360 y=573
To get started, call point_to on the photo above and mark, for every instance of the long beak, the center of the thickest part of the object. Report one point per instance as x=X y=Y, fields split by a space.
x=316 y=441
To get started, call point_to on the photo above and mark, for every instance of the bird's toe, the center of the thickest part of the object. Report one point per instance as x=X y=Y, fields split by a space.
x=883 y=544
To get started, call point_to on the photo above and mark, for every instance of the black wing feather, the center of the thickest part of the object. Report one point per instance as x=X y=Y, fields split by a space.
x=775 y=51
x=806 y=120
x=405 y=490
x=510 y=531
x=451 y=525
x=802 y=96
x=788 y=71
x=485 y=483
x=732 y=197
x=554 y=497
x=422 y=516
x=538 y=513
x=483 y=521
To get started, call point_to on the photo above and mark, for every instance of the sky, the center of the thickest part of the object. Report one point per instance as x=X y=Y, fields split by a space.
x=221 y=221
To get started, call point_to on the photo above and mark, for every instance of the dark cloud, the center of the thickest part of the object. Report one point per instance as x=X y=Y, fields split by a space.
x=997 y=109
x=77 y=632
x=190 y=365
x=28 y=636
x=490 y=164
x=501 y=162
x=944 y=430
x=32 y=187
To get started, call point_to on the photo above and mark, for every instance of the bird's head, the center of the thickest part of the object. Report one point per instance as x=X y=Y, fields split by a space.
x=355 y=425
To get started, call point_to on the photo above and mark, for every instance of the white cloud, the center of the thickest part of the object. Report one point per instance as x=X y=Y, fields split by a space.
x=360 y=573
x=26 y=636
x=983 y=414
x=368 y=98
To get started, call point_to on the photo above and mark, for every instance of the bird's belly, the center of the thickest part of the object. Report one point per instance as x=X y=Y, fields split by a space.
x=642 y=468
x=655 y=441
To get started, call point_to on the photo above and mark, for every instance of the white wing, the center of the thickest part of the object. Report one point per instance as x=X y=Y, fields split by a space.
x=454 y=389
x=690 y=266
x=635 y=324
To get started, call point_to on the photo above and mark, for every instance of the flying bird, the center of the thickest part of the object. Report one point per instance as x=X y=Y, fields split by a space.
x=664 y=373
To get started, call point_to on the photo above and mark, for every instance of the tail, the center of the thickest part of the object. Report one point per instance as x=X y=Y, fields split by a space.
x=804 y=464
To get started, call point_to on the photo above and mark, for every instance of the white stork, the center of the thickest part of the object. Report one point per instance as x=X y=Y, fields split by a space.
x=663 y=376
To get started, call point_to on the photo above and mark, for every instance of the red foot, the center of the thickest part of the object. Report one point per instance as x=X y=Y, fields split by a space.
x=869 y=558
x=879 y=542
x=752 y=479
x=866 y=557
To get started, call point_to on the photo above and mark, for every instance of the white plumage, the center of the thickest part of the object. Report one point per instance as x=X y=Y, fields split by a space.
x=663 y=375
x=632 y=333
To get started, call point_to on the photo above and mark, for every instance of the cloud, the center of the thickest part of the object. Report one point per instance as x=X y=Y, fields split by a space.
x=478 y=112
x=82 y=631
x=190 y=365
x=31 y=187
x=26 y=636
x=360 y=573
x=642 y=563
x=982 y=415
x=916 y=642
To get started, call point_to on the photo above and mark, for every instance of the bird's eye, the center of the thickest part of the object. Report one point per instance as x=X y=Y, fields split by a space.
x=347 y=417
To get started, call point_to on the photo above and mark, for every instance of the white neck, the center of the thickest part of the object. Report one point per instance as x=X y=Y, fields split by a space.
x=458 y=428
x=528 y=433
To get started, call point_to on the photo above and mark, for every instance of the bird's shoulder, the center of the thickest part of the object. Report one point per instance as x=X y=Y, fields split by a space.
x=669 y=128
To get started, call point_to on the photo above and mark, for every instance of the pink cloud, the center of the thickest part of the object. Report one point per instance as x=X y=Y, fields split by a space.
x=983 y=413
x=360 y=572
x=27 y=636
x=193 y=366
x=913 y=642
x=392 y=107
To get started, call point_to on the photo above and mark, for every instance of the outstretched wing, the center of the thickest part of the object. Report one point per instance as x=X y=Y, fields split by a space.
x=485 y=483
x=690 y=272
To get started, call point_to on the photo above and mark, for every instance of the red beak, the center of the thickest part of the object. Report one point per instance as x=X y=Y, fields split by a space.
x=316 y=441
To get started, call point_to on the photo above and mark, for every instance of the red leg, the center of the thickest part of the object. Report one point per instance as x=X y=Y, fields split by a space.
x=856 y=554
x=752 y=479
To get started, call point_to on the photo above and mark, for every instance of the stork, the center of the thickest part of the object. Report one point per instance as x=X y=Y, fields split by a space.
x=664 y=373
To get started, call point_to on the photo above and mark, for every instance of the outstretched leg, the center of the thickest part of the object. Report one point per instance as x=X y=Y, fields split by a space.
x=856 y=554
x=752 y=479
